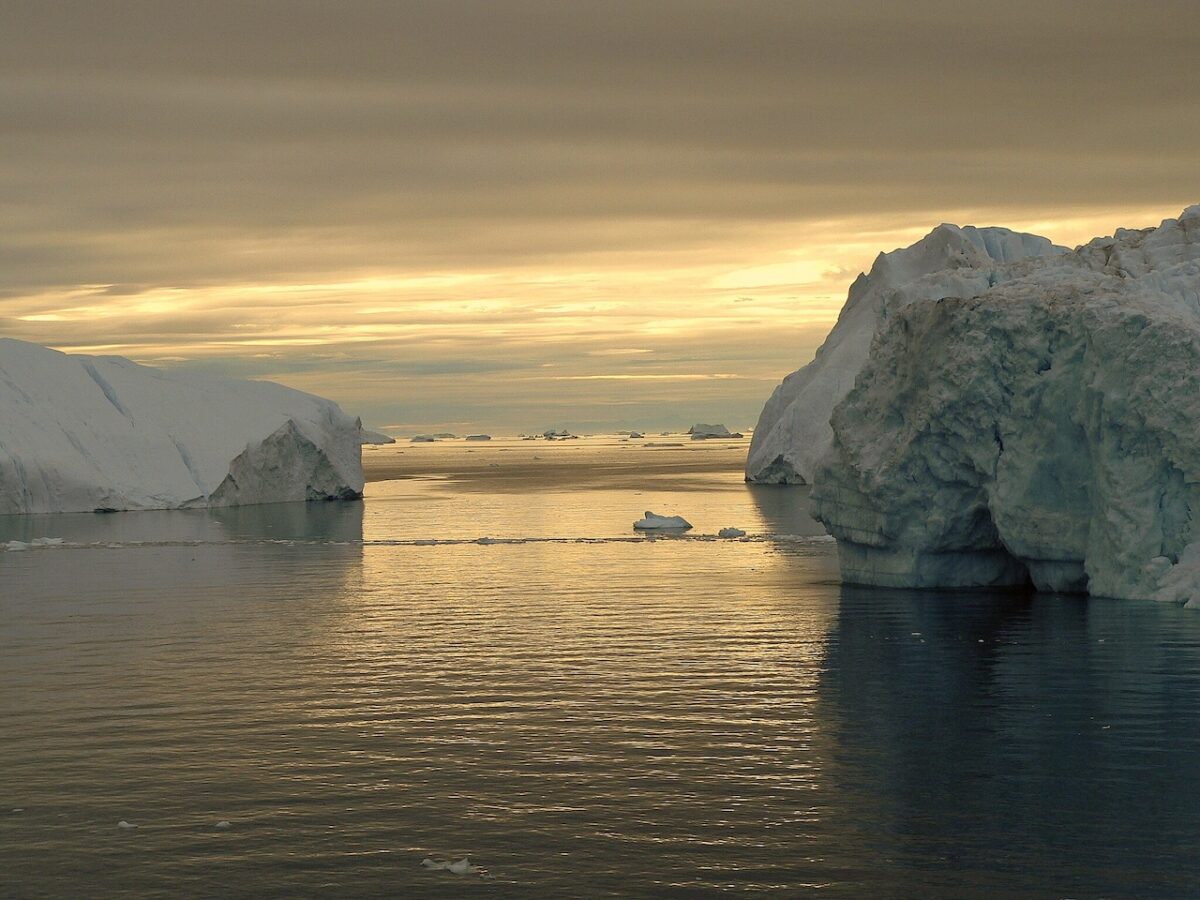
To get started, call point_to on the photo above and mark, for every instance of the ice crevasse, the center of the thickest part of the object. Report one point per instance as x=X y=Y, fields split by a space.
x=88 y=433
x=1037 y=422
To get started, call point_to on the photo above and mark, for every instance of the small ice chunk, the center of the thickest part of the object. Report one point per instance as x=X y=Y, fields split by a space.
x=223 y=824
x=479 y=437
x=16 y=545
x=125 y=826
x=731 y=533
x=655 y=522
x=461 y=867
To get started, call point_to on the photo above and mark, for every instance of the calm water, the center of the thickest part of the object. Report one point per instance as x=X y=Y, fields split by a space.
x=354 y=687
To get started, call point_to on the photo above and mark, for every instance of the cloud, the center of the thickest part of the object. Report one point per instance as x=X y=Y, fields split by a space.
x=315 y=191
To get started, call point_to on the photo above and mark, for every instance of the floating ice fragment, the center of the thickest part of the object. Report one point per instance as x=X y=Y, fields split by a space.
x=461 y=867
x=731 y=533
x=16 y=545
x=654 y=522
x=125 y=826
x=223 y=824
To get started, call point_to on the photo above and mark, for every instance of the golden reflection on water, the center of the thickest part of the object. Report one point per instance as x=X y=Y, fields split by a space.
x=599 y=713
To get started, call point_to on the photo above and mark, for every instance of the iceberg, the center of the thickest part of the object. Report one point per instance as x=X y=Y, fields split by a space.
x=375 y=437
x=793 y=429
x=102 y=433
x=654 y=522
x=703 y=432
x=1040 y=424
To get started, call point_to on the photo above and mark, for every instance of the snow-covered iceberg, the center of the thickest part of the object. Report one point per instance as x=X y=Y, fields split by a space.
x=1041 y=426
x=793 y=429
x=84 y=433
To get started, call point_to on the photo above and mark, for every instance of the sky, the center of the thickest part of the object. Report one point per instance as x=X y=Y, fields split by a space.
x=512 y=215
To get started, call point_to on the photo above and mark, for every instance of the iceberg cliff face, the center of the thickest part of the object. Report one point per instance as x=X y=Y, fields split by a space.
x=793 y=429
x=1045 y=429
x=83 y=433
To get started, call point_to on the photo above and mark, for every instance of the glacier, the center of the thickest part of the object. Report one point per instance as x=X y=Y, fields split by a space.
x=793 y=429
x=102 y=433
x=1035 y=422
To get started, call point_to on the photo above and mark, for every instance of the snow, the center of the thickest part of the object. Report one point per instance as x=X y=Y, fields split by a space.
x=654 y=522
x=86 y=433
x=1044 y=428
x=793 y=429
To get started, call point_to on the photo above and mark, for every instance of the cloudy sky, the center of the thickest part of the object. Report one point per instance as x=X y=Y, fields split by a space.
x=516 y=214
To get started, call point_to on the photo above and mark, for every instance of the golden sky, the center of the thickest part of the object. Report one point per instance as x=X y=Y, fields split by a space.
x=513 y=215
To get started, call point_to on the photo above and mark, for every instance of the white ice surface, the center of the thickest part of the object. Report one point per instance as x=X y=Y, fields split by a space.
x=653 y=522
x=1043 y=428
x=793 y=429
x=81 y=433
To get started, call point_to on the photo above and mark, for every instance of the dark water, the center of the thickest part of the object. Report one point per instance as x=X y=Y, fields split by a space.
x=609 y=718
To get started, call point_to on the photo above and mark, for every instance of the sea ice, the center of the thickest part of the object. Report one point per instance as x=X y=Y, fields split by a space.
x=731 y=533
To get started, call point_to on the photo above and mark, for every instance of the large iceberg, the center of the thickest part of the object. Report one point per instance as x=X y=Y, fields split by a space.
x=1037 y=423
x=793 y=430
x=90 y=433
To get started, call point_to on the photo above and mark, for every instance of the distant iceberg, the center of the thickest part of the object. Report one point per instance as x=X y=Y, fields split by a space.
x=703 y=432
x=101 y=433
x=375 y=437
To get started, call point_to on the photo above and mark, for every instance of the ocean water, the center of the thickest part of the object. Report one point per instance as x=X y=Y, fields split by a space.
x=483 y=659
